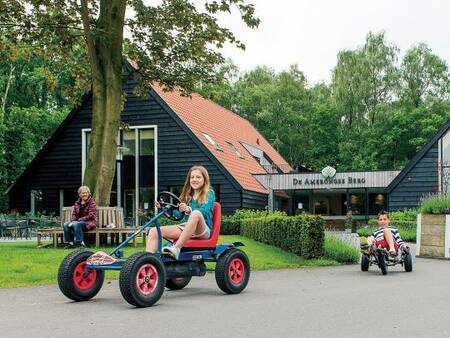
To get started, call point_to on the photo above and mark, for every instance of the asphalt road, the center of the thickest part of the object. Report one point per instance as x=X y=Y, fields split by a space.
x=315 y=302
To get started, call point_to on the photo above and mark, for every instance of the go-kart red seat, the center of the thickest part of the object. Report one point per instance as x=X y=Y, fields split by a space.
x=212 y=241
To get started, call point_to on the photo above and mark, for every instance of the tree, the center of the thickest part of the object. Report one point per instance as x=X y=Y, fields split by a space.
x=423 y=74
x=364 y=80
x=173 y=43
x=35 y=93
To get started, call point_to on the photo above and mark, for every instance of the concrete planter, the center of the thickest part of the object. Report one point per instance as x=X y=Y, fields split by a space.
x=433 y=236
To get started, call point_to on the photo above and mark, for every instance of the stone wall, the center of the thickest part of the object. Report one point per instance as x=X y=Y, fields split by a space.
x=432 y=236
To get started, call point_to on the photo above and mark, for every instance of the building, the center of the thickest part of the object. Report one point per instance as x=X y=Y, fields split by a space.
x=167 y=134
x=329 y=193
x=332 y=194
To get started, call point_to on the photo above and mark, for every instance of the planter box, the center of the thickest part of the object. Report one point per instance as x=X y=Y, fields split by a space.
x=433 y=236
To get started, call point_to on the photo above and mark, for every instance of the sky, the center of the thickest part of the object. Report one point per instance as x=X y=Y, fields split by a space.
x=310 y=33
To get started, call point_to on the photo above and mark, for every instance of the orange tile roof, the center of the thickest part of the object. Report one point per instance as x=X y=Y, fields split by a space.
x=204 y=116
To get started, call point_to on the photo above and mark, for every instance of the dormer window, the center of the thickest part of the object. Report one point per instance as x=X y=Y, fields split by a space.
x=236 y=150
x=211 y=140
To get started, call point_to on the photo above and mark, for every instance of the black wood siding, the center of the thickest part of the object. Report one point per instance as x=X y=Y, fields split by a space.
x=254 y=200
x=59 y=167
x=420 y=181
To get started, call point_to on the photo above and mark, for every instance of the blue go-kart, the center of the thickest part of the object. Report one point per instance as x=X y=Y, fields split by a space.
x=143 y=276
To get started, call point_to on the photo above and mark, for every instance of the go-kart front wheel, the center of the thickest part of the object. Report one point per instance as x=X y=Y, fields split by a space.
x=381 y=258
x=365 y=262
x=178 y=283
x=232 y=271
x=142 y=279
x=74 y=280
x=407 y=262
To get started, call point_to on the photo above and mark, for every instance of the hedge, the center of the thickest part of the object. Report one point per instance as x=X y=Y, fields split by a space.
x=230 y=225
x=302 y=235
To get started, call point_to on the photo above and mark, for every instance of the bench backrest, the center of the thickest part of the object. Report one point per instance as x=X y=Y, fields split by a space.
x=105 y=216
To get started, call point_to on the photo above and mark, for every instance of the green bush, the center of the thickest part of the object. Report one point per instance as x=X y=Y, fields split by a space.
x=436 y=204
x=407 y=225
x=408 y=235
x=340 y=251
x=405 y=215
x=405 y=219
x=302 y=235
x=230 y=225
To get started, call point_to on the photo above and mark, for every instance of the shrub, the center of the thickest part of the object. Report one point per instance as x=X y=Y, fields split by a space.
x=340 y=251
x=408 y=235
x=230 y=225
x=406 y=225
x=302 y=235
x=435 y=204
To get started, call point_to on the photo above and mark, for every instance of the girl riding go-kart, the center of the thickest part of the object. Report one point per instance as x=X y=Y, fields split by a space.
x=385 y=247
x=143 y=276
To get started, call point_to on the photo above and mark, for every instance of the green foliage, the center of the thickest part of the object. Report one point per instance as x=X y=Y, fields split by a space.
x=404 y=220
x=340 y=251
x=408 y=234
x=302 y=235
x=436 y=204
x=230 y=225
x=376 y=114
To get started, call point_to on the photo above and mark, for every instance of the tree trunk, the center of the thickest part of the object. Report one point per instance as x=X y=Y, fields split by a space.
x=105 y=53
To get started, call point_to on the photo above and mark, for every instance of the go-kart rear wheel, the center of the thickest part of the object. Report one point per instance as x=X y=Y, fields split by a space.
x=365 y=262
x=232 y=271
x=382 y=262
x=407 y=262
x=177 y=283
x=142 y=279
x=72 y=279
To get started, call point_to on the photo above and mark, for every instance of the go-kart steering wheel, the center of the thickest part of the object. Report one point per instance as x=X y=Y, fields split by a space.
x=164 y=201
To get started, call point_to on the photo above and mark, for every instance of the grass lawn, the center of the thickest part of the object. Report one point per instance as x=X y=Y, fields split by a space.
x=23 y=264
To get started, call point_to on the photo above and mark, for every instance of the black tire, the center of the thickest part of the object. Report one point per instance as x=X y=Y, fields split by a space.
x=232 y=271
x=177 y=283
x=149 y=289
x=70 y=277
x=407 y=262
x=365 y=262
x=382 y=262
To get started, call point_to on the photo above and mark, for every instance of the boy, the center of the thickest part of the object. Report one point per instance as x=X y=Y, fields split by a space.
x=386 y=236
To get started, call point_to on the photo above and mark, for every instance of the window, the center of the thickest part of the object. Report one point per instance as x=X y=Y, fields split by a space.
x=136 y=171
x=236 y=150
x=214 y=143
x=37 y=204
x=264 y=160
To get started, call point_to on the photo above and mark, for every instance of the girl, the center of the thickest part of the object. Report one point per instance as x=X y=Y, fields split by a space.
x=197 y=201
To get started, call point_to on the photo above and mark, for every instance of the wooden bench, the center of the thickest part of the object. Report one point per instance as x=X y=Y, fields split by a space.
x=107 y=218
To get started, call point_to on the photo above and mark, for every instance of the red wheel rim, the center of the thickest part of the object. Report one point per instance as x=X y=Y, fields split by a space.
x=81 y=282
x=147 y=279
x=236 y=271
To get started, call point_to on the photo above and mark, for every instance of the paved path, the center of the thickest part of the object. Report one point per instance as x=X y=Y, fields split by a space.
x=318 y=302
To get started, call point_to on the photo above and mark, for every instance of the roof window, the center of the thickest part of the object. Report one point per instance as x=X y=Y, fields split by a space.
x=236 y=150
x=211 y=140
